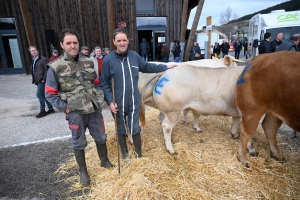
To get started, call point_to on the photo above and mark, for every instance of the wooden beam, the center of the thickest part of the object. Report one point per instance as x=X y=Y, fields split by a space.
x=184 y=21
x=27 y=23
x=110 y=22
x=193 y=30
x=208 y=23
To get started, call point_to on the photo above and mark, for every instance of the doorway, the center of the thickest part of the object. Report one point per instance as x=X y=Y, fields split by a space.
x=10 y=59
x=154 y=30
x=147 y=34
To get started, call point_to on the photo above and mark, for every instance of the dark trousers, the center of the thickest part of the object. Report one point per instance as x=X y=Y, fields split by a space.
x=40 y=94
x=165 y=59
x=224 y=54
x=78 y=124
x=237 y=54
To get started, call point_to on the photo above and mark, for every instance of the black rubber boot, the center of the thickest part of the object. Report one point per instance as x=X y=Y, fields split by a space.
x=137 y=144
x=80 y=158
x=102 y=152
x=123 y=145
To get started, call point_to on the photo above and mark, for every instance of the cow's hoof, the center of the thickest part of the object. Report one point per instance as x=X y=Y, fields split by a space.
x=244 y=163
x=234 y=136
x=184 y=122
x=174 y=154
x=279 y=159
x=247 y=166
x=254 y=154
x=198 y=130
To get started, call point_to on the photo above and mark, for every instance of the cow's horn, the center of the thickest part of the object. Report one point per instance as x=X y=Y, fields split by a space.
x=236 y=60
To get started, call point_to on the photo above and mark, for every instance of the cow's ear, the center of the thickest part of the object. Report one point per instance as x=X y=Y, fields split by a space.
x=226 y=60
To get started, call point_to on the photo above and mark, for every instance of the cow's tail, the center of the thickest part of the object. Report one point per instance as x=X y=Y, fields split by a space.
x=142 y=110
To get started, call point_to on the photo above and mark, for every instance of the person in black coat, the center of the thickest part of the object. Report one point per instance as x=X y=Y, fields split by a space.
x=265 y=46
x=39 y=74
x=245 y=45
x=224 y=48
x=216 y=50
x=195 y=49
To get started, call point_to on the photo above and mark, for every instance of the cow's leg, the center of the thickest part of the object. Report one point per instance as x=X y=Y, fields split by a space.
x=161 y=117
x=196 y=123
x=248 y=127
x=167 y=125
x=271 y=125
x=251 y=148
x=184 y=117
x=235 y=125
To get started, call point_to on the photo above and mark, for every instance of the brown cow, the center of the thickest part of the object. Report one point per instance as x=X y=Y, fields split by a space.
x=269 y=84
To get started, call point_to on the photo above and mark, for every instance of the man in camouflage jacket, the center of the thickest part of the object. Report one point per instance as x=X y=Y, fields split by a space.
x=72 y=86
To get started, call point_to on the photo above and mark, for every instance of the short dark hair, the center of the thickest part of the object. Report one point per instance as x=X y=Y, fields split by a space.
x=267 y=35
x=30 y=47
x=67 y=31
x=120 y=30
x=295 y=37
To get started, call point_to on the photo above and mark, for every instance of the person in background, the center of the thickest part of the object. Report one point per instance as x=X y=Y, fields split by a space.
x=144 y=49
x=123 y=66
x=276 y=42
x=72 y=86
x=216 y=50
x=245 y=45
x=290 y=45
x=85 y=51
x=98 y=60
x=54 y=55
x=265 y=46
x=176 y=50
x=224 y=48
x=237 y=49
x=39 y=75
x=106 y=51
x=93 y=53
x=165 y=53
x=195 y=50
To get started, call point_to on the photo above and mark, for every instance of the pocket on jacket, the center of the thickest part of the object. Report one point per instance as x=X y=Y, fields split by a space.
x=90 y=74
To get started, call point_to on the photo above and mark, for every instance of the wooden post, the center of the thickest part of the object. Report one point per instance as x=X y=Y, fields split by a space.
x=27 y=23
x=193 y=30
x=111 y=22
x=184 y=21
x=208 y=27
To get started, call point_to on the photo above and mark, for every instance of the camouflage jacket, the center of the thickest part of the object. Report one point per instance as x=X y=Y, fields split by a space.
x=73 y=85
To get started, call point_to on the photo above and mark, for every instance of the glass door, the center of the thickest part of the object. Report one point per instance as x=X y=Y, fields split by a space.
x=10 y=59
x=159 y=40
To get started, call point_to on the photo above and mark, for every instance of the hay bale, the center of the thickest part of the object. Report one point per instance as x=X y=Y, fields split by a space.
x=206 y=166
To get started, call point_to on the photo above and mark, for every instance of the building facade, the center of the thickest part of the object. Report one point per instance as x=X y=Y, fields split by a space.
x=34 y=22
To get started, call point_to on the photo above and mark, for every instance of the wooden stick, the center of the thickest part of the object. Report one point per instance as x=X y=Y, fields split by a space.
x=115 y=119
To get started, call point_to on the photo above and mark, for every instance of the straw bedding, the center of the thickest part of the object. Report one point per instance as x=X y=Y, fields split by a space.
x=206 y=166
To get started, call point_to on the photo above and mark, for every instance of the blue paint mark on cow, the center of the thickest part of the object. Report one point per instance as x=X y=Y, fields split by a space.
x=160 y=84
x=241 y=80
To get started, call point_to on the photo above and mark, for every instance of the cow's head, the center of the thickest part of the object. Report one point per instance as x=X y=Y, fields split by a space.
x=231 y=61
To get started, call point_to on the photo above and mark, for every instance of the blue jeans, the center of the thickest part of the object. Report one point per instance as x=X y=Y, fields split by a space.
x=145 y=57
x=40 y=94
x=176 y=59
x=165 y=59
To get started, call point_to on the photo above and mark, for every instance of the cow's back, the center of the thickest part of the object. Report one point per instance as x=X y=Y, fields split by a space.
x=205 y=90
x=271 y=83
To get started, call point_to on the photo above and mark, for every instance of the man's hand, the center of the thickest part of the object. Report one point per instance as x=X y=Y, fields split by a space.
x=113 y=107
x=170 y=66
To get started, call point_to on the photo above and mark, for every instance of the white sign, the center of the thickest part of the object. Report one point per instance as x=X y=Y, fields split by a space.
x=209 y=28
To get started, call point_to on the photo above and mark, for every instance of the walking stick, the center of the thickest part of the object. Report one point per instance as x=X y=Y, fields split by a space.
x=115 y=119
